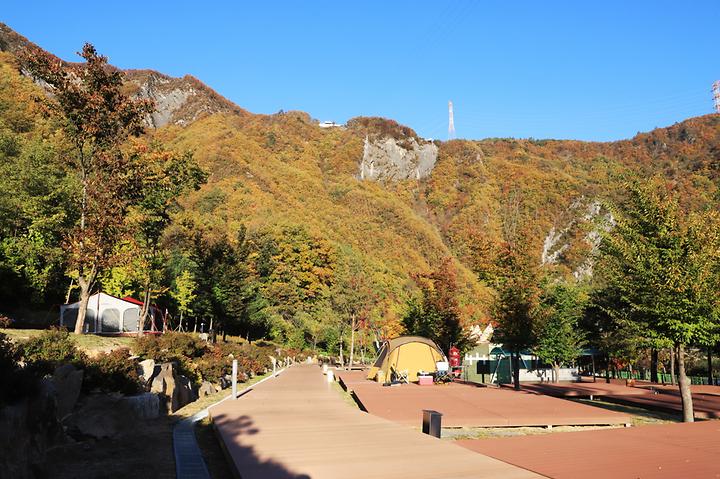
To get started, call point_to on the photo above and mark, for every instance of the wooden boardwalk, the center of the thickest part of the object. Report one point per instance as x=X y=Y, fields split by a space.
x=470 y=406
x=297 y=426
x=667 y=451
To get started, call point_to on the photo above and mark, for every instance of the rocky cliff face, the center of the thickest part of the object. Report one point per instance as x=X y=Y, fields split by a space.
x=178 y=101
x=576 y=237
x=389 y=159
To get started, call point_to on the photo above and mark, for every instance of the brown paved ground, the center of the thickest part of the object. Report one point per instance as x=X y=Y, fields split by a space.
x=668 y=451
x=706 y=406
x=583 y=389
x=469 y=406
x=706 y=399
x=695 y=388
x=298 y=426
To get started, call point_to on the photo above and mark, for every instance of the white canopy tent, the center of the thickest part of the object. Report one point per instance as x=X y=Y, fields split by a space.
x=108 y=314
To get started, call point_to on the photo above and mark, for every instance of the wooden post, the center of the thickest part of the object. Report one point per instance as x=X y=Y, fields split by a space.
x=234 y=379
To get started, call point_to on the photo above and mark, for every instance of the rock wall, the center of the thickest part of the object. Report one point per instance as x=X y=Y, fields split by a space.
x=590 y=220
x=389 y=159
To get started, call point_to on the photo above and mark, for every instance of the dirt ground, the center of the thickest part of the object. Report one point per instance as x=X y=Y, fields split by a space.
x=145 y=450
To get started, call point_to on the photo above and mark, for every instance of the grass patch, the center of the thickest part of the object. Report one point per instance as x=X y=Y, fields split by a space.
x=346 y=395
x=202 y=403
x=497 y=432
x=90 y=343
x=212 y=451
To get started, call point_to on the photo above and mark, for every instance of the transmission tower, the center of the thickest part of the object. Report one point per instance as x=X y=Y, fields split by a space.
x=451 y=123
x=716 y=95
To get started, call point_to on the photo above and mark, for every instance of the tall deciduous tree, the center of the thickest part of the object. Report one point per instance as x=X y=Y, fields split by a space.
x=351 y=296
x=437 y=313
x=666 y=265
x=165 y=176
x=97 y=118
x=183 y=292
x=559 y=341
x=516 y=306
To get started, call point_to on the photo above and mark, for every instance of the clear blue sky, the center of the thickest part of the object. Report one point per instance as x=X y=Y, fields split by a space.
x=598 y=70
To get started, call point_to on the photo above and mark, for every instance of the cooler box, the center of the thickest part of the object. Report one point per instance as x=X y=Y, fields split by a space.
x=425 y=380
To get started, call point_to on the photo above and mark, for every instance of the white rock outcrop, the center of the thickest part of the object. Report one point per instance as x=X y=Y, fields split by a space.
x=387 y=159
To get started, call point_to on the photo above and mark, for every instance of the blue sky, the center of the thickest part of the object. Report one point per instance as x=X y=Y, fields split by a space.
x=599 y=70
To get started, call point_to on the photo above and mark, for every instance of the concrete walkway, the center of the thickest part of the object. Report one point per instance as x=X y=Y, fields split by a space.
x=298 y=426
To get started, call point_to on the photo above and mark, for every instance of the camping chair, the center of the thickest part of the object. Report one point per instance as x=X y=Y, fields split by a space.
x=400 y=376
x=442 y=375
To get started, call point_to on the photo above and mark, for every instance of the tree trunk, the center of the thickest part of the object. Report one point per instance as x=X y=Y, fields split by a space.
x=607 y=370
x=654 y=365
x=145 y=308
x=592 y=358
x=82 y=309
x=352 y=342
x=515 y=360
x=710 y=368
x=672 y=366
x=69 y=291
x=685 y=393
x=342 y=362
x=556 y=372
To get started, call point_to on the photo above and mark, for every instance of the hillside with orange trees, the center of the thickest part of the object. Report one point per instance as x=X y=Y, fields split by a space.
x=283 y=181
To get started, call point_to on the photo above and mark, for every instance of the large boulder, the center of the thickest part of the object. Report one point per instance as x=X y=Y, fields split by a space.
x=67 y=382
x=206 y=389
x=175 y=390
x=146 y=371
x=101 y=416
x=27 y=429
x=185 y=393
x=164 y=384
x=144 y=406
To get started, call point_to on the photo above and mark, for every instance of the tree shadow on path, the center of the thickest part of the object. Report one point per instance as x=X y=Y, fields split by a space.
x=244 y=457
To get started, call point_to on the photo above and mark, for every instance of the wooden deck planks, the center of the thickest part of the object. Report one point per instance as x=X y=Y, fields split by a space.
x=297 y=426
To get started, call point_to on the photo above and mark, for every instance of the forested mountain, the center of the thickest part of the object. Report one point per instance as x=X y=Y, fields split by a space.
x=306 y=206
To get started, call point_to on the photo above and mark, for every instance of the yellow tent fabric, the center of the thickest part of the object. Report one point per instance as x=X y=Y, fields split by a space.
x=411 y=353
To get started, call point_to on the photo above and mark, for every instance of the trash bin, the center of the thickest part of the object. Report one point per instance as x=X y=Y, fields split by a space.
x=432 y=422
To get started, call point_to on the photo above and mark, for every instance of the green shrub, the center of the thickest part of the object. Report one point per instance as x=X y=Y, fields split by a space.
x=179 y=348
x=52 y=348
x=169 y=346
x=15 y=382
x=112 y=372
x=217 y=361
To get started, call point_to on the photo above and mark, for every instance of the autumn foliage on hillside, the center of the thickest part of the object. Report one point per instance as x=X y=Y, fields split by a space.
x=283 y=207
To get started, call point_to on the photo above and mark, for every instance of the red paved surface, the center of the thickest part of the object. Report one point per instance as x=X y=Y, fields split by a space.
x=470 y=406
x=583 y=389
x=669 y=451
x=706 y=406
x=297 y=426
x=706 y=399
